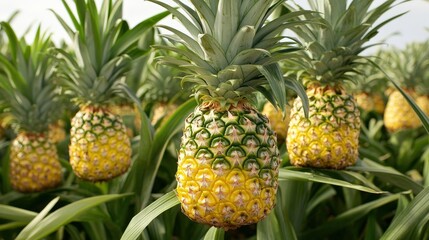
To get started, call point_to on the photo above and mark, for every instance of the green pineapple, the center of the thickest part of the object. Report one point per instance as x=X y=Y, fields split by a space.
x=94 y=77
x=228 y=162
x=328 y=138
x=31 y=102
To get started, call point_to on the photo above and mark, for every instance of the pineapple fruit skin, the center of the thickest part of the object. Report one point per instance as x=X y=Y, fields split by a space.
x=329 y=137
x=279 y=124
x=228 y=166
x=370 y=102
x=34 y=163
x=57 y=131
x=423 y=102
x=399 y=114
x=100 y=148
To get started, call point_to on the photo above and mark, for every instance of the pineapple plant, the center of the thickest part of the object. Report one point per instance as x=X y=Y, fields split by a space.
x=57 y=131
x=31 y=102
x=93 y=76
x=333 y=44
x=160 y=88
x=422 y=87
x=423 y=102
x=279 y=121
x=368 y=89
x=408 y=67
x=228 y=163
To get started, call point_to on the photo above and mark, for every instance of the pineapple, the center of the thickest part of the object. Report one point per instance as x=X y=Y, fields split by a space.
x=328 y=138
x=31 y=103
x=423 y=102
x=228 y=162
x=369 y=86
x=422 y=86
x=370 y=102
x=399 y=114
x=57 y=132
x=93 y=76
x=127 y=112
x=408 y=67
x=160 y=89
x=279 y=120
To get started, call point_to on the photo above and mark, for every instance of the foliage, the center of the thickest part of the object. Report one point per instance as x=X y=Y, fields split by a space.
x=384 y=196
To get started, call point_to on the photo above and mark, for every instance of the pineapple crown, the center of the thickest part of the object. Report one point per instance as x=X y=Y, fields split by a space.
x=230 y=49
x=158 y=83
x=104 y=46
x=409 y=66
x=369 y=78
x=27 y=82
x=333 y=43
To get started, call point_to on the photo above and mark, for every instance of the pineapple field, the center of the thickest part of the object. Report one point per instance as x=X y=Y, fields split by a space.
x=252 y=120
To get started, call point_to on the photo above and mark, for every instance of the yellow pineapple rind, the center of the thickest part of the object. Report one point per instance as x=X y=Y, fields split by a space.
x=370 y=102
x=279 y=123
x=228 y=166
x=57 y=131
x=329 y=138
x=100 y=148
x=423 y=102
x=399 y=114
x=34 y=164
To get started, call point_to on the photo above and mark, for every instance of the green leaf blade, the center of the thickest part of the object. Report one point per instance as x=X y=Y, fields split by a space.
x=140 y=221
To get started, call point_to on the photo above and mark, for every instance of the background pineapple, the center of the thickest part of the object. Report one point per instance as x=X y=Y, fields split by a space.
x=57 y=131
x=31 y=102
x=99 y=148
x=328 y=138
x=422 y=87
x=408 y=68
x=279 y=120
x=159 y=87
x=228 y=161
x=93 y=76
x=161 y=91
x=368 y=89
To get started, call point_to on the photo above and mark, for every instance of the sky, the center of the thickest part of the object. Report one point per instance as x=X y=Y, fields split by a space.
x=413 y=26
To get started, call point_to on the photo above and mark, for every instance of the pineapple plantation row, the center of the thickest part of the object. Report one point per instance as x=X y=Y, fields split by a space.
x=263 y=120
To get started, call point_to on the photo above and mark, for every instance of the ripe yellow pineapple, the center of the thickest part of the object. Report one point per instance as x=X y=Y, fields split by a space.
x=93 y=75
x=370 y=102
x=279 y=120
x=328 y=138
x=409 y=67
x=423 y=102
x=100 y=146
x=399 y=114
x=369 y=87
x=34 y=164
x=128 y=114
x=57 y=131
x=228 y=164
x=30 y=106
